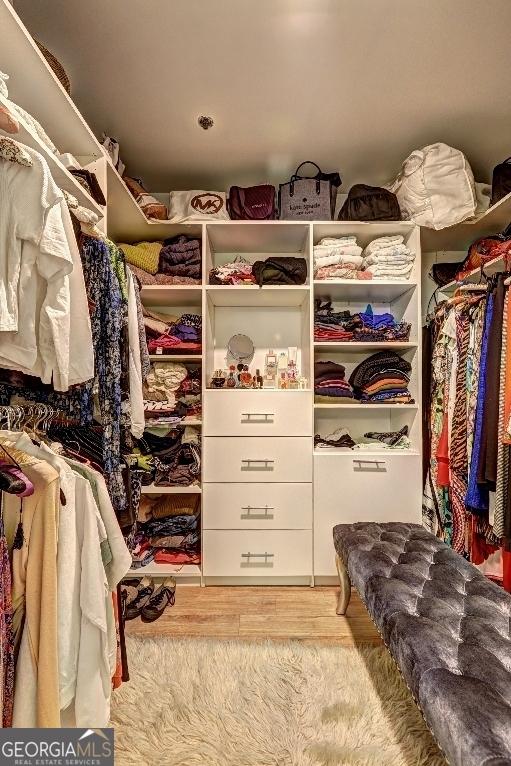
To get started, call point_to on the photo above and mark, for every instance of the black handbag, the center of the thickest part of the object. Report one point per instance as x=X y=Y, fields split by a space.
x=308 y=198
x=501 y=181
x=370 y=203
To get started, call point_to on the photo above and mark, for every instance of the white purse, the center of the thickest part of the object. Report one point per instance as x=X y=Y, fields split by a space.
x=435 y=187
x=197 y=206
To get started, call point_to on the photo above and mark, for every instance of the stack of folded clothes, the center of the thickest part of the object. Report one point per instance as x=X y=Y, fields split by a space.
x=338 y=258
x=181 y=257
x=388 y=258
x=330 y=386
x=170 y=456
x=364 y=326
x=170 y=533
x=275 y=270
x=167 y=334
x=176 y=261
x=373 y=440
x=236 y=273
x=382 y=378
x=172 y=392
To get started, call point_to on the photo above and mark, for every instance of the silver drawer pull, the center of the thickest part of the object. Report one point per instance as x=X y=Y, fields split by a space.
x=362 y=464
x=257 y=464
x=262 y=560
x=257 y=417
x=264 y=515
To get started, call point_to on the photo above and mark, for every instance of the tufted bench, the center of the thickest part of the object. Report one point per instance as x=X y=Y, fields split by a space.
x=447 y=627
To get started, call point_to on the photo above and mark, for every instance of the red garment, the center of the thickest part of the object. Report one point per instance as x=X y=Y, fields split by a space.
x=117 y=677
x=442 y=455
x=170 y=556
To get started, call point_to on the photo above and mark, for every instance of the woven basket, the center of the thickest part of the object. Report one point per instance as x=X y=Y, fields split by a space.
x=57 y=67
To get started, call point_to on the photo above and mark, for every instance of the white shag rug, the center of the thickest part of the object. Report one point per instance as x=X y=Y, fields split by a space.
x=217 y=703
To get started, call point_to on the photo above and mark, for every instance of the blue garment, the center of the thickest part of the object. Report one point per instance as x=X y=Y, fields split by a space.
x=107 y=319
x=477 y=497
x=376 y=321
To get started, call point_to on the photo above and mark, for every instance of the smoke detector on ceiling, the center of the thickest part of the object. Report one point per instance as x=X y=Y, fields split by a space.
x=205 y=122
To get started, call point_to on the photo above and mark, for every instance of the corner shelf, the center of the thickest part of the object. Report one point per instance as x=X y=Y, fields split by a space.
x=461 y=236
x=127 y=222
x=491 y=267
x=61 y=175
x=169 y=295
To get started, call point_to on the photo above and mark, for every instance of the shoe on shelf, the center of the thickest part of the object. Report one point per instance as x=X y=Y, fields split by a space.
x=144 y=591
x=162 y=597
x=129 y=588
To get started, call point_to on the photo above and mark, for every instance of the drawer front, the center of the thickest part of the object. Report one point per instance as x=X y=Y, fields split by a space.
x=232 y=553
x=252 y=459
x=350 y=488
x=257 y=506
x=258 y=413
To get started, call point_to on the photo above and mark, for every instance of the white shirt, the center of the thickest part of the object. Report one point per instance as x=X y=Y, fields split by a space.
x=44 y=315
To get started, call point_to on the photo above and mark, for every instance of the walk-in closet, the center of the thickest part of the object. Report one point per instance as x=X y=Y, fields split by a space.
x=255 y=383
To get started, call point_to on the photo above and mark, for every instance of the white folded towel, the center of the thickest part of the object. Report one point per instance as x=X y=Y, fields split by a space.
x=321 y=251
x=354 y=261
x=349 y=240
x=381 y=242
x=383 y=271
x=399 y=260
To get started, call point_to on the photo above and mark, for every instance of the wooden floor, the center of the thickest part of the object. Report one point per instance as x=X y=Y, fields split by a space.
x=257 y=613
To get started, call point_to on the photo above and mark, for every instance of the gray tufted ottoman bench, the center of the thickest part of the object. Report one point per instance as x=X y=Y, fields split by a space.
x=447 y=627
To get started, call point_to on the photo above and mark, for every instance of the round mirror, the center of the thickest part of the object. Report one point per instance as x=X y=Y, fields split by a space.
x=241 y=348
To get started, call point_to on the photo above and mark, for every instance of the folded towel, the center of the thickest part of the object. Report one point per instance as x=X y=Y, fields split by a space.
x=353 y=261
x=322 y=251
x=381 y=242
x=349 y=240
x=399 y=258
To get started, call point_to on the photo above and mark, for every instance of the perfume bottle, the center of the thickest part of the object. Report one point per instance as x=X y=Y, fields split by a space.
x=245 y=377
x=258 y=379
x=218 y=379
x=231 y=382
x=270 y=370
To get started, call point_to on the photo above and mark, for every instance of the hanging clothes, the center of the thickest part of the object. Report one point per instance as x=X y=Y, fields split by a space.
x=467 y=495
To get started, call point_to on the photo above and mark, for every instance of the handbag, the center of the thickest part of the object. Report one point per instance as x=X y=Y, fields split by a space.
x=255 y=203
x=484 y=250
x=435 y=187
x=197 y=205
x=370 y=203
x=501 y=181
x=280 y=270
x=306 y=198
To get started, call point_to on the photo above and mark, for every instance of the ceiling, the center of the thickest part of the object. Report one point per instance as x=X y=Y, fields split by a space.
x=353 y=84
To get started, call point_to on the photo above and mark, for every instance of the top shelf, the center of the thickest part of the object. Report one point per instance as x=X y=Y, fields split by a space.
x=474 y=276
x=62 y=177
x=461 y=236
x=126 y=221
x=34 y=86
